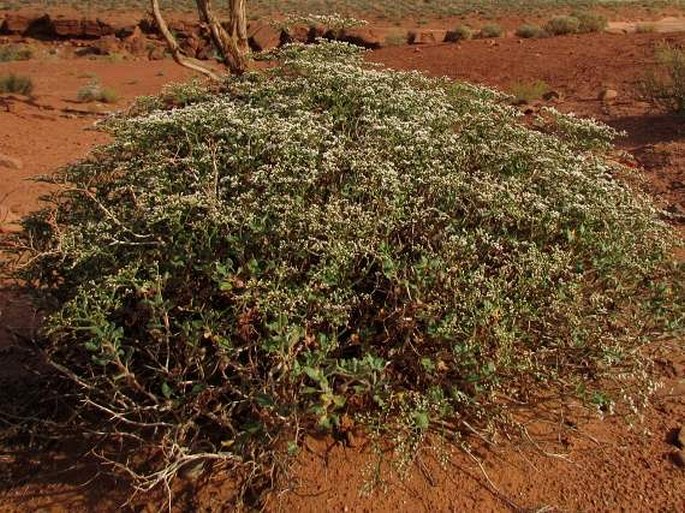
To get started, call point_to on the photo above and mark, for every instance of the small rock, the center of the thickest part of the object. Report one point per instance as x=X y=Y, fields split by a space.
x=364 y=37
x=422 y=37
x=551 y=96
x=9 y=221
x=262 y=37
x=679 y=458
x=680 y=438
x=193 y=472
x=607 y=95
x=10 y=162
x=14 y=24
x=136 y=43
x=156 y=53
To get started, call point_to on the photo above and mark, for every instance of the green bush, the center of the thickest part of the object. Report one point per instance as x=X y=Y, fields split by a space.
x=95 y=92
x=460 y=33
x=491 y=31
x=666 y=86
x=590 y=21
x=15 y=53
x=17 y=84
x=562 y=25
x=322 y=241
x=645 y=28
x=528 y=91
x=530 y=31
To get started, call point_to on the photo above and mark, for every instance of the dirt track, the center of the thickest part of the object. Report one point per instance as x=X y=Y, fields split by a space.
x=600 y=465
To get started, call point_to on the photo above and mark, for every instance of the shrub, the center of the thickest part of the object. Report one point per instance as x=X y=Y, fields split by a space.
x=323 y=241
x=18 y=84
x=396 y=39
x=15 y=53
x=491 y=30
x=645 y=28
x=530 y=31
x=528 y=91
x=95 y=92
x=460 y=33
x=562 y=25
x=590 y=21
x=666 y=87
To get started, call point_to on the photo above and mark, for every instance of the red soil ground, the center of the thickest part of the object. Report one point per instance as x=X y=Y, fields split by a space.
x=574 y=461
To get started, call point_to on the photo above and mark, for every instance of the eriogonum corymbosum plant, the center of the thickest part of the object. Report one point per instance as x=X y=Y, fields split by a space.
x=325 y=240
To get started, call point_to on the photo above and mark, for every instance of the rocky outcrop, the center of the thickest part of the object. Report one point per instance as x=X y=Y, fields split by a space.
x=364 y=37
x=262 y=37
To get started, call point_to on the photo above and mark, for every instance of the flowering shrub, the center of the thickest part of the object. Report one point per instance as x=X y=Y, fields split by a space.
x=324 y=240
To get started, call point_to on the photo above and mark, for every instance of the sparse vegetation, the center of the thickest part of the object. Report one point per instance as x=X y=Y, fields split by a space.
x=563 y=25
x=15 y=53
x=96 y=92
x=459 y=33
x=666 y=85
x=590 y=21
x=17 y=84
x=528 y=91
x=378 y=9
x=530 y=31
x=645 y=28
x=320 y=241
x=492 y=30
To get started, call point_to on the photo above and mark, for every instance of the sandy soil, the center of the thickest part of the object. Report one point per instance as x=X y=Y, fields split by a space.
x=573 y=462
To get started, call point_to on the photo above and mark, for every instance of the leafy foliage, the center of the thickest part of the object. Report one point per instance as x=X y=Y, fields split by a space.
x=666 y=86
x=95 y=92
x=324 y=240
x=15 y=53
x=562 y=25
x=13 y=83
x=528 y=31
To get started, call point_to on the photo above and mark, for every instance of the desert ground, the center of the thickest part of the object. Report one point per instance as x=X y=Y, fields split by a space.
x=580 y=462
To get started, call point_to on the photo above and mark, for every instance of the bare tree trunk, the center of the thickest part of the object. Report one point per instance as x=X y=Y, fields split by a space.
x=226 y=44
x=238 y=24
x=231 y=45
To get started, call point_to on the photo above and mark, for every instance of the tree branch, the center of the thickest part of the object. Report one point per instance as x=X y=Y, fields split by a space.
x=175 y=50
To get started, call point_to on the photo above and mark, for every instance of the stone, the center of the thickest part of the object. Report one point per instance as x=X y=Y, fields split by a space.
x=363 y=36
x=15 y=24
x=300 y=34
x=136 y=43
x=679 y=458
x=680 y=438
x=40 y=28
x=156 y=53
x=422 y=37
x=85 y=28
x=262 y=37
x=10 y=221
x=108 y=45
x=551 y=96
x=608 y=95
x=10 y=162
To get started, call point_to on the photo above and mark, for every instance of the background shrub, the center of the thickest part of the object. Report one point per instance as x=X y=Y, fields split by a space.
x=666 y=85
x=95 y=92
x=530 y=31
x=18 y=84
x=528 y=91
x=491 y=31
x=460 y=33
x=562 y=25
x=322 y=241
x=15 y=53
x=590 y=21
x=645 y=28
